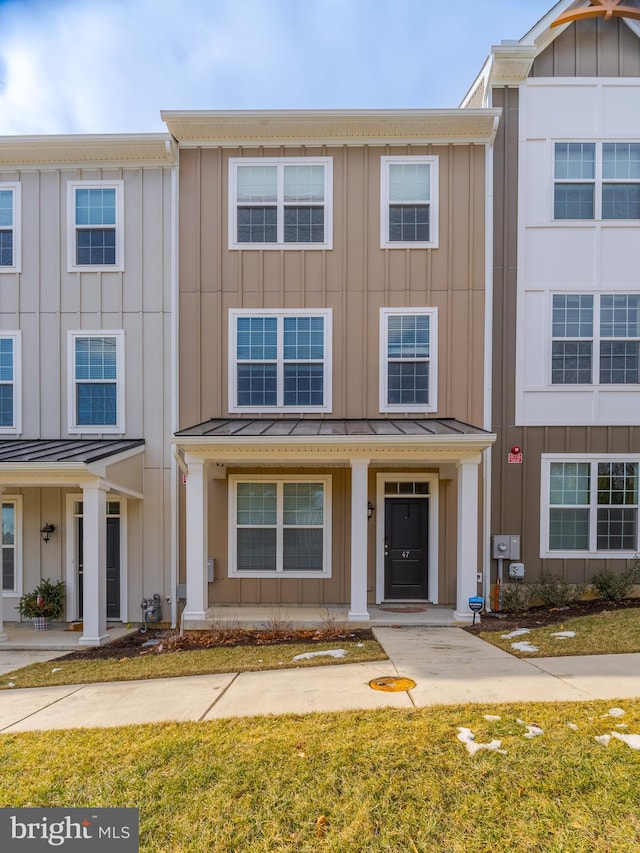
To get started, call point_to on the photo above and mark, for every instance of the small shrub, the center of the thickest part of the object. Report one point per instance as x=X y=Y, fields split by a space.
x=517 y=598
x=614 y=586
x=554 y=591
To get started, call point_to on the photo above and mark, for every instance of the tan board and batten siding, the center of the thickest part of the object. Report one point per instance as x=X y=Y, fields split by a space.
x=355 y=279
x=44 y=301
x=589 y=48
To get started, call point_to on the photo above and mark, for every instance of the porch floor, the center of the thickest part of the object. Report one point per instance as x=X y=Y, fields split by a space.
x=22 y=636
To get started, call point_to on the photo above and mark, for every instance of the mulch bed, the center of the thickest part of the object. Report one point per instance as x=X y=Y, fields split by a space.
x=538 y=617
x=167 y=640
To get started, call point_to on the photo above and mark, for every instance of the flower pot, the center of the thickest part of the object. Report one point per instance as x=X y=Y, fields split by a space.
x=41 y=623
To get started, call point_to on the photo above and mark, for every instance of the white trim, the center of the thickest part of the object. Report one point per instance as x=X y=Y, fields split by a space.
x=235 y=313
x=432 y=545
x=72 y=266
x=16 y=428
x=281 y=162
x=280 y=479
x=433 y=201
x=432 y=361
x=545 y=477
x=16 y=227
x=14 y=595
x=73 y=426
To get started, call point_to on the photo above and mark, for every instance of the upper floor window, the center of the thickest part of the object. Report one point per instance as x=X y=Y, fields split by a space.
x=9 y=382
x=280 y=202
x=9 y=227
x=409 y=195
x=596 y=339
x=280 y=360
x=96 y=372
x=597 y=180
x=589 y=505
x=95 y=227
x=408 y=370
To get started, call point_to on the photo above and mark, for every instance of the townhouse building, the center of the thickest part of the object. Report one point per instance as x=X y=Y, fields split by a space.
x=86 y=283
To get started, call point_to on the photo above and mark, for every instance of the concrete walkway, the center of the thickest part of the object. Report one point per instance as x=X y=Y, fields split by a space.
x=449 y=666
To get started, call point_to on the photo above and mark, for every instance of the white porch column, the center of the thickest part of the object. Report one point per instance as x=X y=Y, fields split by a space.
x=466 y=580
x=359 y=471
x=94 y=554
x=3 y=636
x=197 y=538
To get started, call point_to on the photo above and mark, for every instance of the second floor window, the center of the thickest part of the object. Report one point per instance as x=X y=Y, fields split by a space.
x=280 y=203
x=408 y=373
x=97 y=376
x=597 y=180
x=9 y=386
x=280 y=361
x=409 y=192
x=9 y=221
x=95 y=232
x=596 y=339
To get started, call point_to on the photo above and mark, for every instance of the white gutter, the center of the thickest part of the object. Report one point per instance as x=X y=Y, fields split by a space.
x=174 y=482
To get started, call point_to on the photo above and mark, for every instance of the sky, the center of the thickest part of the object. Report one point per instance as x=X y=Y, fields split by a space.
x=110 y=66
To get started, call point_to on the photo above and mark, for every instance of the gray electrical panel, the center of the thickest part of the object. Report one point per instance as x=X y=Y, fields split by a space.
x=505 y=547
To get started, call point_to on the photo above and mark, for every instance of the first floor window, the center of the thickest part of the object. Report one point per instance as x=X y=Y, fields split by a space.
x=407 y=368
x=9 y=227
x=97 y=375
x=280 y=526
x=9 y=579
x=95 y=231
x=593 y=506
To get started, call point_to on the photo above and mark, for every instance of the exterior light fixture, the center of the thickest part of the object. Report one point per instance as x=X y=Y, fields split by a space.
x=46 y=530
x=370 y=509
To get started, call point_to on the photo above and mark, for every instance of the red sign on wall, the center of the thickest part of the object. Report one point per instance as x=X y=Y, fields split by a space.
x=515 y=458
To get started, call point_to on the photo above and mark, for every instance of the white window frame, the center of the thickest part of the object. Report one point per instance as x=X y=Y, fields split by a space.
x=598 y=182
x=72 y=228
x=280 y=480
x=281 y=162
x=16 y=229
x=280 y=313
x=16 y=500
x=117 y=428
x=385 y=163
x=16 y=382
x=432 y=361
x=545 y=483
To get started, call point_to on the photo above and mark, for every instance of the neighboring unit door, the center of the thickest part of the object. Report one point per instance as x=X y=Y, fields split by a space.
x=405 y=548
x=113 y=567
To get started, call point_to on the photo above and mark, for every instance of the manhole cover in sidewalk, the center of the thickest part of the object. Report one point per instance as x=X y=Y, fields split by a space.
x=392 y=684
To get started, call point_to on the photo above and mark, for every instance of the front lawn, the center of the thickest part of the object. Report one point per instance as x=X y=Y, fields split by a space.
x=384 y=781
x=613 y=632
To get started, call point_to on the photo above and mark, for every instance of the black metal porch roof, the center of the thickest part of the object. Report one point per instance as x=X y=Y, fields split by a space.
x=312 y=427
x=63 y=450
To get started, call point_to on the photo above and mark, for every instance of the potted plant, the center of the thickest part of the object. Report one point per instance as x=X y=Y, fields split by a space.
x=44 y=603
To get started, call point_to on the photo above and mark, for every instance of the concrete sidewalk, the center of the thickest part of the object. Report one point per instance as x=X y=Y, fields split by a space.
x=449 y=666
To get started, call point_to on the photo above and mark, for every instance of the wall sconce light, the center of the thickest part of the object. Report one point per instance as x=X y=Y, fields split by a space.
x=46 y=530
x=370 y=509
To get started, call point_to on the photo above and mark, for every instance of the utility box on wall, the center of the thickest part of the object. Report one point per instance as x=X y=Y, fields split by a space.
x=505 y=547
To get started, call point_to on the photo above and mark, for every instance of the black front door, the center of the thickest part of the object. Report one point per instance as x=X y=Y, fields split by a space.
x=405 y=548
x=113 y=567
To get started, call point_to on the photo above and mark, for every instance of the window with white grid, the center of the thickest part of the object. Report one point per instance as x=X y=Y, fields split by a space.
x=10 y=386
x=590 y=505
x=279 y=526
x=408 y=372
x=96 y=382
x=9 y=227
x=280 y=203
x=95 y=229
x=409 y=196
x=280 y=360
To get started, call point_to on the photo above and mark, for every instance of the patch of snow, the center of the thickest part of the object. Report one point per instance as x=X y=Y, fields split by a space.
x=603 y=739
x=562 y=635
x=11 y=684
x=533 y=731
x=614 y=712
x=57 y=669
x=622 y=726
x=467 y=737
x=631 y=740
x=491 y=717
x=524 y=647
x=332 y=653
x=517 y=633
x=573 y=727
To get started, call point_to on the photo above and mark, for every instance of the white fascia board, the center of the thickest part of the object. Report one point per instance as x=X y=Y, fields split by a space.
x=142 y=149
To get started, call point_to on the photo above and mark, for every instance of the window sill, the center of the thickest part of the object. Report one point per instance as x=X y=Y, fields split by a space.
x=280 y=575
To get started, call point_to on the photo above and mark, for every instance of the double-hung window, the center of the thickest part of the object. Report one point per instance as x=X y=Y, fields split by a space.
x=597 y=180
x=595 y=339
x=9 y=227
x=589 y=505
x=95 y=227
x=409 y=196
x=96 y=371
x=10 y=577
x=280 y=526
x=10 y=408
x=277 y=203
x=280 y=360
x=408 y=368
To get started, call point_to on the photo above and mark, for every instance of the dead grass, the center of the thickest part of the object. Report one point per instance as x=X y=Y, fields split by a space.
x=383 y=781
x=178 y=663
x=614 y=632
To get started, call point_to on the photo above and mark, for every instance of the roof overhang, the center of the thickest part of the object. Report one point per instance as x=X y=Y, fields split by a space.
x=146 y=149
x=192 y=128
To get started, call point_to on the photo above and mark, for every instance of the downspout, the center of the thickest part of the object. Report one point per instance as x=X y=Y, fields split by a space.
x=174 y=391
